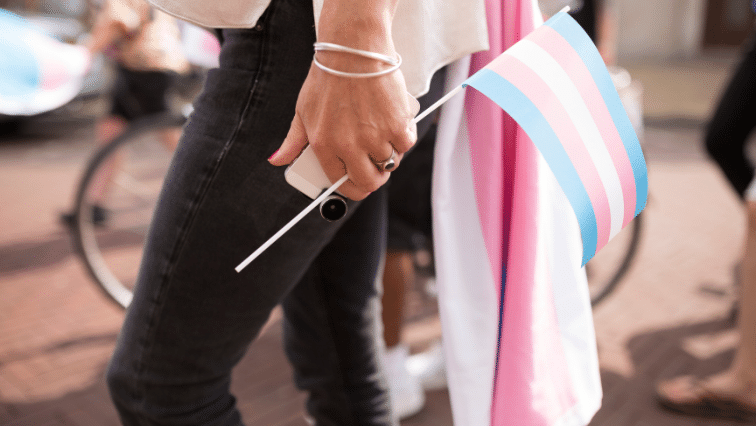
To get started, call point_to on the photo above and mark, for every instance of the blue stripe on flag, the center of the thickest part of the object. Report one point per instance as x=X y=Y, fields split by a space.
x=527 y=116
x=579 y=40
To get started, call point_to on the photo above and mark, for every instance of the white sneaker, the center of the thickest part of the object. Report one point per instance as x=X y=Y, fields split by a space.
x=406 y=393
x=429 y=367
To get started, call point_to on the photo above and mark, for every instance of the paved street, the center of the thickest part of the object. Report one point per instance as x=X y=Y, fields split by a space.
x=671 y=314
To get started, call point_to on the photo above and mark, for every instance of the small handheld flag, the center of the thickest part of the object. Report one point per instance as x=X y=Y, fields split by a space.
x=555 y=85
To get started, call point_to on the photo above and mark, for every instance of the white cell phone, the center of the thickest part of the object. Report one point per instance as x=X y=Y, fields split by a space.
x=306 y=174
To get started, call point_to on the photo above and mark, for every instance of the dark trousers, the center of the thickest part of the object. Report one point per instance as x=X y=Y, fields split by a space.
x=193 y=317
x=733 y=122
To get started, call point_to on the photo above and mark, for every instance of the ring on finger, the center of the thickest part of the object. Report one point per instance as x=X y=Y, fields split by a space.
x=389 y=164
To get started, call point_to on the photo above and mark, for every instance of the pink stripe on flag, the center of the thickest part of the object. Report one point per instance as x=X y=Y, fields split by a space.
x=530 y=84
x=488 y=175
x=487 y=125
x=533 y=385
x=553 y=43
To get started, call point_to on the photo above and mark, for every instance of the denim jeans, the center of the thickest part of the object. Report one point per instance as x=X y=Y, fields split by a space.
x=193 y=316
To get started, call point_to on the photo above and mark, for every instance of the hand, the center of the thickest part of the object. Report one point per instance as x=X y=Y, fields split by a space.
x=353 y=123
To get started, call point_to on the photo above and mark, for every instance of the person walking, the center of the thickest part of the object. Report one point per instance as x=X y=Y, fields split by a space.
x=145 y=46
x=731 y=394
x=193 y=316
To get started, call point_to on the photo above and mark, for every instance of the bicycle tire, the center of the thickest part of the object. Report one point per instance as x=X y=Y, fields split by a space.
x=601 y=289
x=88 y=235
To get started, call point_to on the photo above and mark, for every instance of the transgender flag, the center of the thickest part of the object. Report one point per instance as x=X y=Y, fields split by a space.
x=37 y=73
x=518 y=210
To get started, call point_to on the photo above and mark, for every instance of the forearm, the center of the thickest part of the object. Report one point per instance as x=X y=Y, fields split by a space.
x=362 y=24
x=374 y=114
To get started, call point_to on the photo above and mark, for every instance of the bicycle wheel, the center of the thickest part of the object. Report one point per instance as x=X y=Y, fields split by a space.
x=115 y=202
x=610 y=265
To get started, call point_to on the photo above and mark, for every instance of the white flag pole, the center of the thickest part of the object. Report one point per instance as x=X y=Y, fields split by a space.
x=330 y=191
x=291 y=223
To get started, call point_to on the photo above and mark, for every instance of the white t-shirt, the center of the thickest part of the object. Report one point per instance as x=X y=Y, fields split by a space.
x=427 y=33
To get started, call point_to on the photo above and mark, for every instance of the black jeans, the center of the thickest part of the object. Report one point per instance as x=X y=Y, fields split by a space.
x=733 y=122
x=193 y=316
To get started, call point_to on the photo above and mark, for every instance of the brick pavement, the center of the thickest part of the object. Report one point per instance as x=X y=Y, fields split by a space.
x=56 y=331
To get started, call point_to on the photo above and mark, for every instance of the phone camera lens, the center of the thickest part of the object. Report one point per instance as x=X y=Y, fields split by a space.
x=333 y=208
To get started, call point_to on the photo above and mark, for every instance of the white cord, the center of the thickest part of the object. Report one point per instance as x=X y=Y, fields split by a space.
x=322 y=46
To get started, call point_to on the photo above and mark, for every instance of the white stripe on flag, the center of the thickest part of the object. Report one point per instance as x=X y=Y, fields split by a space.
x=468 y=297
x=552 y=73
x=571 y=297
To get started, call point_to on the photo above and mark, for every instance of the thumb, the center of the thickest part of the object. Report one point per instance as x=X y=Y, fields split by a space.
x=292 y=146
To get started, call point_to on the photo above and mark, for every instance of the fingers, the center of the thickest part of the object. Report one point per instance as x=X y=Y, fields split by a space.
x=351 y=126
x=406 y=138
x=414 y=105
x=364 y=176
x=295 y=142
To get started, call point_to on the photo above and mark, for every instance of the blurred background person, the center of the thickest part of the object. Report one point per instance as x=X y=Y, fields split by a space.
x=145 y=46
x=409 y=232
x=730 y=394
x=586 y=14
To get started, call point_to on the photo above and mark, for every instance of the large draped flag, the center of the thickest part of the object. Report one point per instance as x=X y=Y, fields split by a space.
x=522 y=200
x=37 y=72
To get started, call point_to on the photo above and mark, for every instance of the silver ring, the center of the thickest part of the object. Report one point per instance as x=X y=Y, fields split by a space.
x=388 y=165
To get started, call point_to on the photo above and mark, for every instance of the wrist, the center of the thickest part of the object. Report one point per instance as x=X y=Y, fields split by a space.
x=371 y=71
x=353 y=64
x=364 y=25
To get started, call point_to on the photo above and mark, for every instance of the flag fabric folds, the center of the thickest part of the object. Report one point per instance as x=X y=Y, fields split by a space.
x=556 y=86
x=521 y=201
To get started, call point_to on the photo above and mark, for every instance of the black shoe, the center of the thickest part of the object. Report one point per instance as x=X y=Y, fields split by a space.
x=100 y=215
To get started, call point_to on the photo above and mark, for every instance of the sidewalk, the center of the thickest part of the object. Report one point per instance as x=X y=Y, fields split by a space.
x=669 y=316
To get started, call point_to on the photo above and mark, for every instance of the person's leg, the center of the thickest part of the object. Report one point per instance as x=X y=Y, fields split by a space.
x=746 y=357
x=193 y=315
x=407 y=394
x=331 y=324
x=409 y=215
x=730 y=394
x=107 y=129
x=135 y=94
x=398 y=276
x=740 y=379
x=170 y=138
x=733 y=122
